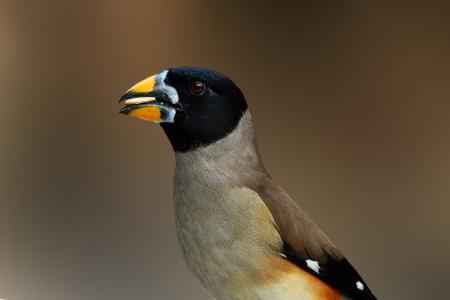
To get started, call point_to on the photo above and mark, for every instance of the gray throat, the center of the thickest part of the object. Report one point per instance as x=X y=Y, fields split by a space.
x=216 y=207
x=234 y=159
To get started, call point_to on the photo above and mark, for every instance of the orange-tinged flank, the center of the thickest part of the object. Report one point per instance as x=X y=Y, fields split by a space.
x=147 y=113
x=300 y=282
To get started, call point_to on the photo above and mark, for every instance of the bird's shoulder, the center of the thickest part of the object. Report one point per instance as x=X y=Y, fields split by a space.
x=305 y=244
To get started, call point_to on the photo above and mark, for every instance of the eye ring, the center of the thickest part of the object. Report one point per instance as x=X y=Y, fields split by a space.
x=197 y=88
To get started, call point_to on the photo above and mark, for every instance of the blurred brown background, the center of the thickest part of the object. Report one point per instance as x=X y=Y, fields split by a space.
x=351 y=103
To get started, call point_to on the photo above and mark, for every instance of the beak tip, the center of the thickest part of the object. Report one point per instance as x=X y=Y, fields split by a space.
x=128 y=95
x=123 y=98
x=124 y=111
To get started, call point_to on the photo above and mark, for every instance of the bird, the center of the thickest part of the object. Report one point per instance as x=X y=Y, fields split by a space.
x=241 y=234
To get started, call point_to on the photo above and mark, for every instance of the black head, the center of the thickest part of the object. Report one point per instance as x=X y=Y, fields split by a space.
x=211 y=107
x=196 y=106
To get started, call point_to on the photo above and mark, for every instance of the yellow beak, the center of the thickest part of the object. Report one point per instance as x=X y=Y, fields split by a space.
x=144 y=86
x=147 y=101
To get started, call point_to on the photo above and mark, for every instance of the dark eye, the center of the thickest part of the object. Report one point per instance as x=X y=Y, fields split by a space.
x=197 y=88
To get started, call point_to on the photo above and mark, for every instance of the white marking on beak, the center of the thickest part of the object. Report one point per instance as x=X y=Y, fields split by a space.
x=138 y=100
x=169 y=90
x=171 y=116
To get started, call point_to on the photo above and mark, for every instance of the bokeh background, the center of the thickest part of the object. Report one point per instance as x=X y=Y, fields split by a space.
x=351 y=104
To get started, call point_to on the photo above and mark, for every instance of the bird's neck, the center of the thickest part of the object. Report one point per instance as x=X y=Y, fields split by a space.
x=215 y=207
x=232 y=160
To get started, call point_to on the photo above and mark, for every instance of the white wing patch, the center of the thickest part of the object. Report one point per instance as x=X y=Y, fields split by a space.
x=313 y=265
x=359 y=285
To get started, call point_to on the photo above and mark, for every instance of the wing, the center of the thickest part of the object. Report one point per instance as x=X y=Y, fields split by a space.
x=308 y=247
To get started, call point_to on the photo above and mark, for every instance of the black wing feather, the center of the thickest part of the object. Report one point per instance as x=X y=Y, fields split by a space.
x=338 y=274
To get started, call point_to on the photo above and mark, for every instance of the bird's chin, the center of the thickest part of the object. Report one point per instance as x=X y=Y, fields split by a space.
x=154 y=111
